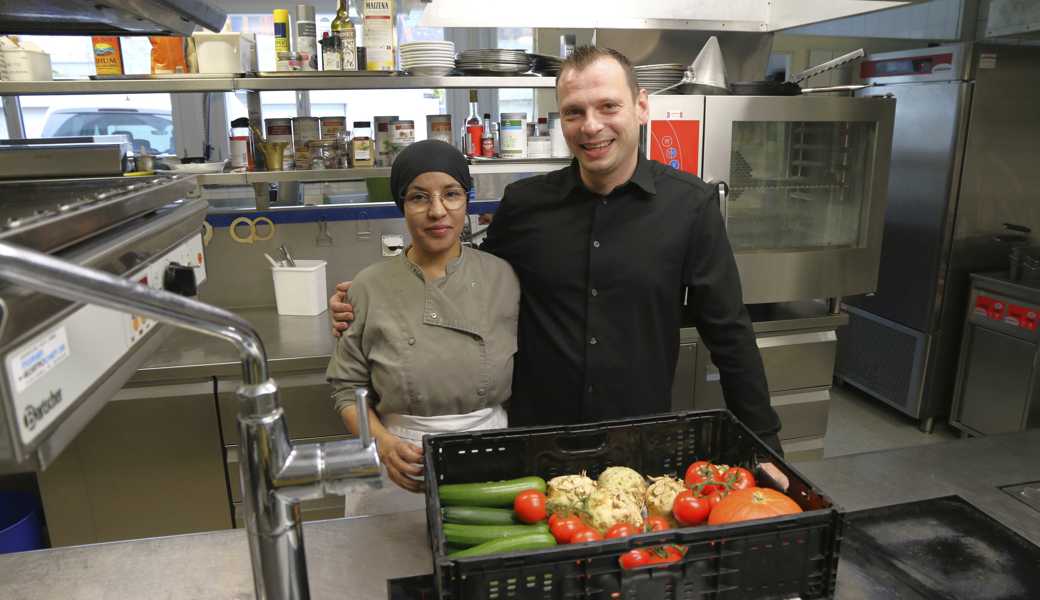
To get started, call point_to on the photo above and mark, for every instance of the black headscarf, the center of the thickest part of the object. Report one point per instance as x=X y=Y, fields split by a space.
x=424 y=157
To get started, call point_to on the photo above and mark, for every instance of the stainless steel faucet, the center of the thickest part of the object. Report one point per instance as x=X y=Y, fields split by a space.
x=277 y=474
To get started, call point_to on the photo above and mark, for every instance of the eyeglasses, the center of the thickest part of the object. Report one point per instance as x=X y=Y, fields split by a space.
x=451 y=198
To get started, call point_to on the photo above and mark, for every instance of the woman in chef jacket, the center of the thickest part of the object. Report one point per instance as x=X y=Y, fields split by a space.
x=434 y=330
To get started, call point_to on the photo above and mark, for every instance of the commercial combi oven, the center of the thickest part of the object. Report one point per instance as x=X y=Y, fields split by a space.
x=802 y=184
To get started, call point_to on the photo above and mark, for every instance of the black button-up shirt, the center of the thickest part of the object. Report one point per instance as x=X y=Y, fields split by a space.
x=602 y=281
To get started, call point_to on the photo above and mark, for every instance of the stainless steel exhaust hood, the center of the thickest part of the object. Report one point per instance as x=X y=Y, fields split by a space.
x=108 y=17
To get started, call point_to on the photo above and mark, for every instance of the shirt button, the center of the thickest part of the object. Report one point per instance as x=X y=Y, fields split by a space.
x=595 y=292
x=433 y=315
x=590 y=389
x=595 y=244
x=411 y=341
x=604 y=202
x=593 y=341
x=481 y=391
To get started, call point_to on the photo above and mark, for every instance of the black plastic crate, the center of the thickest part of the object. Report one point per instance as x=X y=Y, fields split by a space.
x=795 y=555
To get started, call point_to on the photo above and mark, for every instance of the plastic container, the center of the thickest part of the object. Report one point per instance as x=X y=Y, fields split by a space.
x=300 y=290
x=225 y=52
x=20 y=526
x=25 y=65
x=513 y=132
x=793 y=555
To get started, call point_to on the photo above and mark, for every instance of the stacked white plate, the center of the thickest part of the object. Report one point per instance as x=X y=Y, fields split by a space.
x=494 y=61
x=428 y=58
x=656 y=77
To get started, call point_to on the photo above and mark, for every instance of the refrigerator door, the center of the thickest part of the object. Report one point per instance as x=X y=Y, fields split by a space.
x=922 y=200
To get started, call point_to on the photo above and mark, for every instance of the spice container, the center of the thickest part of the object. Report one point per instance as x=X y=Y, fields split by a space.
x=305 y=131
x=513 y=135
x=238 y=144
x=280 y=130
x=559 y=144
x=331 y=59
x=332 y=126
x=382 y=140
x=539 y=146
x=361 y=151
x=438 y=127
x=306 y=38
x=402 y=135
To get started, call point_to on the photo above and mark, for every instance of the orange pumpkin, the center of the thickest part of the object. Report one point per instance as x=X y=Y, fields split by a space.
x=752 y=503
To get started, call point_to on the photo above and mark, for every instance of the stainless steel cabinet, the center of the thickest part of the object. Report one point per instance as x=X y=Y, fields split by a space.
x=149 y=464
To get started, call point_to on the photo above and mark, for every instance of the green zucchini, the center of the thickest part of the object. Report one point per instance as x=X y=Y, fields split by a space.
x=516 y=543
x=479 y=515
x=489 y=493
x=471 y=535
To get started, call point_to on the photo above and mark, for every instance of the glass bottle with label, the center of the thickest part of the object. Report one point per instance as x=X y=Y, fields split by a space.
x=487 y=140
x=474 y=126
x=343 y=29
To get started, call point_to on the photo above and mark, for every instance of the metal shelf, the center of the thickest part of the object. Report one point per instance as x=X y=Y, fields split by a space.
x=389 y=82
x=195 y=83
x=490 y=167
x=117 y=86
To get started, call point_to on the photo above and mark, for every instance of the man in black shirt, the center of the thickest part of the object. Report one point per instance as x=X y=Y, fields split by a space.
x=603 y=250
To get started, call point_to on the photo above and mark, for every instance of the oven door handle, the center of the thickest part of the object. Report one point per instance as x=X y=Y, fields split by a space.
x=722 y=195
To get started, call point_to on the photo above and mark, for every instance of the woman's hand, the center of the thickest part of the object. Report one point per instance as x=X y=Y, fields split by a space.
x=342 y=312
x=402 y=459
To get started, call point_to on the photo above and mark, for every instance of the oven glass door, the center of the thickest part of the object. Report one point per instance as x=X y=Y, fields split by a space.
x=799 y=184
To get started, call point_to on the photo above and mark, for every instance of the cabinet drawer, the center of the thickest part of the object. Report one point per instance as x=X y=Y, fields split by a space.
x=803 y=413
x=798 y=360
x=231 y=456
x=306 y=400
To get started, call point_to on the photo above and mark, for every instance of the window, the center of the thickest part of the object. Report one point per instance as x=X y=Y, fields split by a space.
x=517 y=99
x=146 y=117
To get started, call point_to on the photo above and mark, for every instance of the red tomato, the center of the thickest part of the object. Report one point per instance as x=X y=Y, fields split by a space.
x=657 y=523
x=714 y=498
x=565 y=528
x=620 y=530
x=738 y=478
x=529 y=506
x=634 y=558
x=666 y=554
x=688 y=509
x=586 y=535
x=699 y=473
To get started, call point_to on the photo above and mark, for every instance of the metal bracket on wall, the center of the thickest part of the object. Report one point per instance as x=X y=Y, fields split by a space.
x=362 y=226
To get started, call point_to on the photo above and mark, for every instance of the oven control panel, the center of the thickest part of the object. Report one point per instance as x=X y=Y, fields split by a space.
x=993 y=308
x=48 y=374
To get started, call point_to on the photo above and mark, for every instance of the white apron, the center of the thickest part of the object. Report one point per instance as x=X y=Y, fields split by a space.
x=391 y=498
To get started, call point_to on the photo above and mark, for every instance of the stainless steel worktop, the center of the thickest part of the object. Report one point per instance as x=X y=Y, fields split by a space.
x=293 y=344
x=353 y=558
x=296 y=344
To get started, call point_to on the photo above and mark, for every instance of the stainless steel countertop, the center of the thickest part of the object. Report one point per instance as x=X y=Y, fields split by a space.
x=293 y=344
x=353 y=558
x=301 y=344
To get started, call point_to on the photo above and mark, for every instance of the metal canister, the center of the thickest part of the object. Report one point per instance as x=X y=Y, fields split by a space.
x=280 y=130
x=381 y=138
x=402 y=135
x=305 y=131
x=332 y=126
x=438 y=127
x=513 y=135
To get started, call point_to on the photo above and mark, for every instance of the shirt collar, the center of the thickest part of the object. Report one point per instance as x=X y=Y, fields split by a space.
x=643 y=177
x=450 y=268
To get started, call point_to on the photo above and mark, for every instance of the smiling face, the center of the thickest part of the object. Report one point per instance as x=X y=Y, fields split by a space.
x=435 y=212
x=601 y=120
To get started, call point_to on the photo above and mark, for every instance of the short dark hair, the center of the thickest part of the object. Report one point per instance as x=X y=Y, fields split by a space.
x=584 y=56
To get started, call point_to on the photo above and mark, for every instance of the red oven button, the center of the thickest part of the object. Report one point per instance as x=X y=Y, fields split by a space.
x=983 y=305
x=996 y=311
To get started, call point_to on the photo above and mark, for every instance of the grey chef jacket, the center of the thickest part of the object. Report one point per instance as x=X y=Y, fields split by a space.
x=429 y=348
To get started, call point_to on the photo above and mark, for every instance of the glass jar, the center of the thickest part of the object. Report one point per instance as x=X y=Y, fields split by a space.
x=362 y=153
